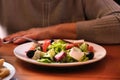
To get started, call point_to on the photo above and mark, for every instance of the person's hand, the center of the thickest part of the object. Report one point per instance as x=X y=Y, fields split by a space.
x=58 y=31
x=34 y=33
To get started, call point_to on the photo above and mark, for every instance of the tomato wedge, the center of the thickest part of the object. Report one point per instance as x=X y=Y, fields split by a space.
x=45 y=45
x=90 y=48
x=69 y=46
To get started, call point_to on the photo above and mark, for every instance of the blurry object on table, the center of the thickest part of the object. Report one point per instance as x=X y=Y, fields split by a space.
x=3 y=32
x=3 y=70
x=117 y=1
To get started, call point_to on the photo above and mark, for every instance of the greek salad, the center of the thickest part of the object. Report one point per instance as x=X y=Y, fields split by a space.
x=61 y=51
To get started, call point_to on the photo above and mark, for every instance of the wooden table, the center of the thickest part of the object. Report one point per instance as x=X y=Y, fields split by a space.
x=106 y=69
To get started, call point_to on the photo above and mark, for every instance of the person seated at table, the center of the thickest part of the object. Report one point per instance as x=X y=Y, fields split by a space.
x=93 y=20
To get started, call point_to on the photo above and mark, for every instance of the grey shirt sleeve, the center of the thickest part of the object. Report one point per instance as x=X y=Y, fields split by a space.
x=103 y=22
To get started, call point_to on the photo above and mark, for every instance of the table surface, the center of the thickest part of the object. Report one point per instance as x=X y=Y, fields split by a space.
x=105 y=69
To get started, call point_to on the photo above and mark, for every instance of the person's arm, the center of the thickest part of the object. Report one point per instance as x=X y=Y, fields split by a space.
x=103 y=25
x=61 y=31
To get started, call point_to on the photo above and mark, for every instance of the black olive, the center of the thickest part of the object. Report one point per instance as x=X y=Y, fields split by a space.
x=30 y=53
x=90 y=55
x=52 y=40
